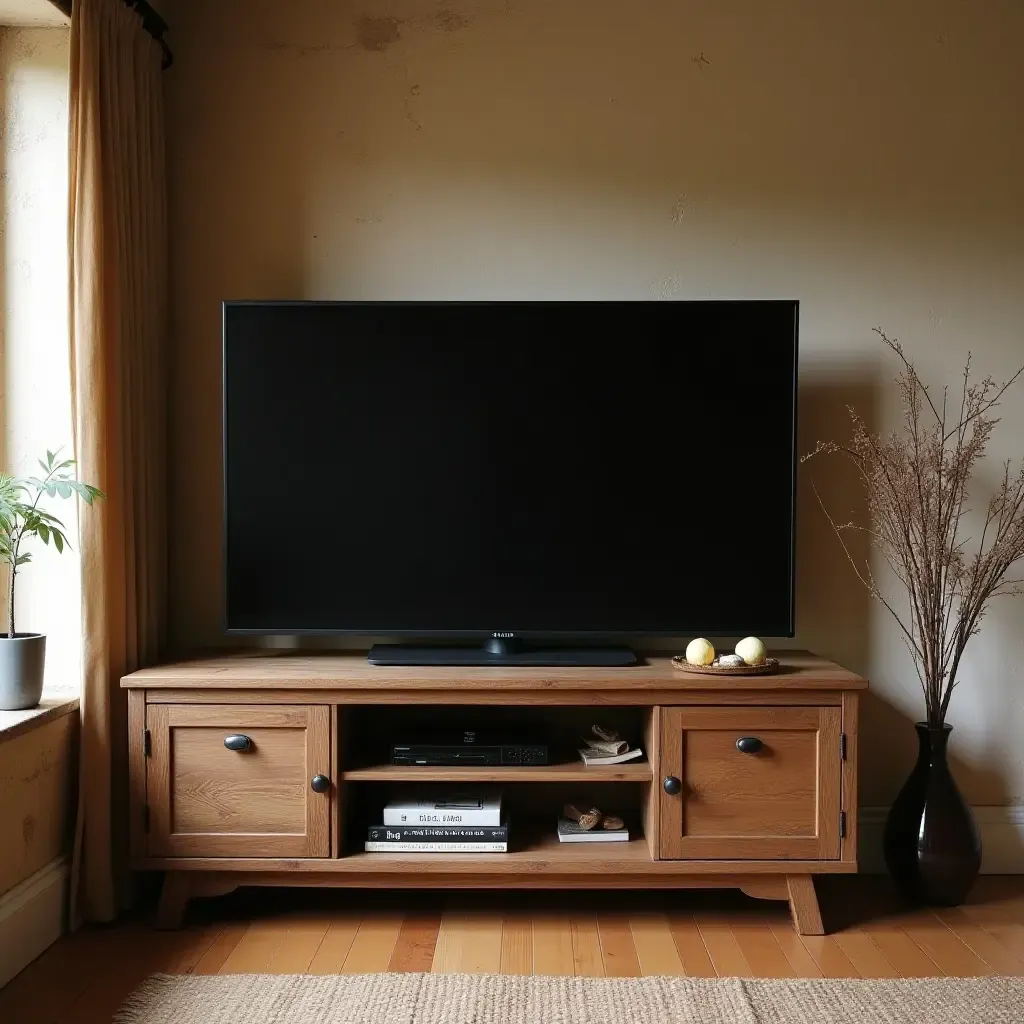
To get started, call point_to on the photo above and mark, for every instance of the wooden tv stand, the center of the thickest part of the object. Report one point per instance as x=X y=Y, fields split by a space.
x=766 y=822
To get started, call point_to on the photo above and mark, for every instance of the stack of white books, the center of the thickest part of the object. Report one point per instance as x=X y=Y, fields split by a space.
x=454 y=823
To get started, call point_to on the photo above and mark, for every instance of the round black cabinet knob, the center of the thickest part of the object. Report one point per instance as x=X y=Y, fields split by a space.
x=748 y=744
x=320 y=784
x=672 y=785
x=237 y=742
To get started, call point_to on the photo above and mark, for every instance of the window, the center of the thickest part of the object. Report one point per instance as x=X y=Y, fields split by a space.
x=35 y=389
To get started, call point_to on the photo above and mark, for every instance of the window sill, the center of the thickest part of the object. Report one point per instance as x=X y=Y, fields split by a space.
x=16 y=723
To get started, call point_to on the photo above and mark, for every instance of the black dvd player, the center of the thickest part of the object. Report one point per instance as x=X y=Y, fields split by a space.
x=469 y=748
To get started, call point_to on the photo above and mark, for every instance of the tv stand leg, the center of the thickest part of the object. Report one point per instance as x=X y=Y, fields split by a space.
x=174 y=897
x=803 y=903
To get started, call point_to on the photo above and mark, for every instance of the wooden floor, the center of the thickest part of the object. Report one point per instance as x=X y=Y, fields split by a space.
x=84 y=977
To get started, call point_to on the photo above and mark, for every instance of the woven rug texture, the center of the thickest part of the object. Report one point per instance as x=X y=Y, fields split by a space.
x=494 y=999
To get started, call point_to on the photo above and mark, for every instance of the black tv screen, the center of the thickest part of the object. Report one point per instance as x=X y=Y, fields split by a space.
x=571 y=469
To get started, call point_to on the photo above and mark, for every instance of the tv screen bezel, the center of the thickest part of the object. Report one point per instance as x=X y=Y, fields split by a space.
x=469 y=635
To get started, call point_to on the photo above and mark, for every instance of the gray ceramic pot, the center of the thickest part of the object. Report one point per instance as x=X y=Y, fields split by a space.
x=21 y=670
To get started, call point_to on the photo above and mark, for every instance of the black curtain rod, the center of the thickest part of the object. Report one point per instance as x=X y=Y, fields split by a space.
x=151 y=22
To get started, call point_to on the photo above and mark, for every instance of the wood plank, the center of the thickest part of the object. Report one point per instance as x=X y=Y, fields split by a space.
x=221 y=948
x=587 y=958
x=760 y=948
x=469 y=942
x=944 y=949
x=800 y=670
x=722 y=947
x=574 y=771
x=866 y=957
x=827 y=954
x=337 y=942
x=830 y=786
x=374 y=944
x=627 y=696
x=552 y=945
x=337 y=811
x=617 y=949
x=980 y=942
x=651 y=808
x=655 y=949
x=292 y=716
x=693 y=954
x=300 y=945
x=1002 y=926
x=905 y=955
x=541 y=854
x=256 y=948
x=193 y=945
x=804 y=965
x=18 y=723
x=851 y=772
x=517 y=943
x=318 y=762
x=417 y=941
x=670 y=805
x=38 y=785
x=136 y=774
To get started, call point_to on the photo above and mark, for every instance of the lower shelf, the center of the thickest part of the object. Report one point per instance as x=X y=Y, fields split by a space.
x=544 y=856
x=540 y=854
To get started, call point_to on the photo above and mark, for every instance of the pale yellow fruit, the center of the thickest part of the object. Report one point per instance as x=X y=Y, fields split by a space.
x=700 y=652
x=751 y=650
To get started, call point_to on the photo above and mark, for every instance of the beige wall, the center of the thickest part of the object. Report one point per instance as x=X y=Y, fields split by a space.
x=866 y=158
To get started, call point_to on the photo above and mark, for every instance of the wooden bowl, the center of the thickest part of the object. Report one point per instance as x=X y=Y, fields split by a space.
x=770 y=667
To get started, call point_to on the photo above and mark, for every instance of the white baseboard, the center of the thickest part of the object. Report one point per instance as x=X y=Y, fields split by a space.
x=1002 y=839
x=33 y=916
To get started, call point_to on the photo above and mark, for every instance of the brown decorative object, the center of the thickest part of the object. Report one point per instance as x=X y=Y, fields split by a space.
x=770 y=667
x=917 y=482
x=612 y=823
x=585 y=819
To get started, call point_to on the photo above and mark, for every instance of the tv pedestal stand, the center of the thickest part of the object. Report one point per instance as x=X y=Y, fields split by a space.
x=266 y=769
x=502 y=651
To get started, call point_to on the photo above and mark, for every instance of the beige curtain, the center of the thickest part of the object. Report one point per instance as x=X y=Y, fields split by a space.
x=118 y=261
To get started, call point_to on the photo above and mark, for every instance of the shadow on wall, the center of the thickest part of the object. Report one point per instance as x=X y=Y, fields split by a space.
x=833 y=610
x=890 y=763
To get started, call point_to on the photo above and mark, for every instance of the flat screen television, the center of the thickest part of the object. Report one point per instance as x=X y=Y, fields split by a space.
x=510 y=481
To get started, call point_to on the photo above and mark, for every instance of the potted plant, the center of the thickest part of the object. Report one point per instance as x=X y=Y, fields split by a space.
x=22 y=655
x=949 y=566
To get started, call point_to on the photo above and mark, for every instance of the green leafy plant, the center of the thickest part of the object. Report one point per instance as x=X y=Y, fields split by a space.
x=21 y=517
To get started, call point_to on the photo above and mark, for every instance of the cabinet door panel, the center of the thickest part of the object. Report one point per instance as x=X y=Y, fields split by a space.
x=777 y=799
x=207 y=800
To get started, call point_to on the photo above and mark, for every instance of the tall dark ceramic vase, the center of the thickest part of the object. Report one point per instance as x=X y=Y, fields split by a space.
x=932 y=846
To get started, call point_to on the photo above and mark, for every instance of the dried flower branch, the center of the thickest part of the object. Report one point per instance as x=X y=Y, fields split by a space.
x=917 y=483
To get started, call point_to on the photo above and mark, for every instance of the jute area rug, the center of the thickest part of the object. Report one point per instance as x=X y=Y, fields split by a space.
x=493 y=999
